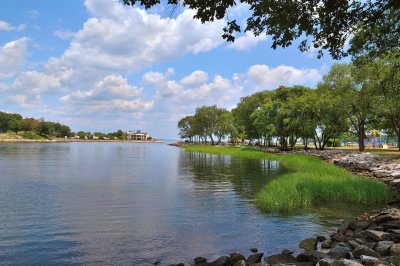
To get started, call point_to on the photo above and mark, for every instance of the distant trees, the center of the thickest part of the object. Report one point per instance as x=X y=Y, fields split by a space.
x=352 y=98
x=16 y=123
x=207 y=123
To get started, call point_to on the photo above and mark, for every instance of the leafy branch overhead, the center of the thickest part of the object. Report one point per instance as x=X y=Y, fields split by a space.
x=368 y=26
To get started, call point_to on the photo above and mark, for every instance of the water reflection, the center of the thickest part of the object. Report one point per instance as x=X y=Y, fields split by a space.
x=219 y=173
x=132 y=204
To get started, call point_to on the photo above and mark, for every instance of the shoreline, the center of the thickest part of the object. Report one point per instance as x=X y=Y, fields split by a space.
x=77 y=140
x=370 y=239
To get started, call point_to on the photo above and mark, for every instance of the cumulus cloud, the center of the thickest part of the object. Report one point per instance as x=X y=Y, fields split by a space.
x=12 y=57
x=176 y=98
x=265 y=77
x=247 y=41
x=111 y=94
x=5 y=26
x=119 y=38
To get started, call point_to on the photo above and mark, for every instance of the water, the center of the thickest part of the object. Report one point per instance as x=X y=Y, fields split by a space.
x=133 y=204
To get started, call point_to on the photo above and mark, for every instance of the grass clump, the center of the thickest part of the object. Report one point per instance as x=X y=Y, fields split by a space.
x=307 y=181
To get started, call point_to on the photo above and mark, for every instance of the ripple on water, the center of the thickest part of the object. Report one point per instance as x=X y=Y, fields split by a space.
x=128 y=203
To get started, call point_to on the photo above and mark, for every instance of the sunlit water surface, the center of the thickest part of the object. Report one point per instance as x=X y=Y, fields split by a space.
x=134 y=204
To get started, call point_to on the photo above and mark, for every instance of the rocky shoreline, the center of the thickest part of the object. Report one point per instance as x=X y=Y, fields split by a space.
x=371 y=239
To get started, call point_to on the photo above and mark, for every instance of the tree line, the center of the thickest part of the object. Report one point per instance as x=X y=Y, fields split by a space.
x=351 y=99
x=32 y=128
x=16 y=123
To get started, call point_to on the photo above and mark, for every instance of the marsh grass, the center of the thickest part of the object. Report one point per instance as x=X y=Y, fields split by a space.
x=307 y=181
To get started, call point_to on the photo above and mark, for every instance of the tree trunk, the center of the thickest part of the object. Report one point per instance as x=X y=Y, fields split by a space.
x=306 y=143
x=212 y=140
x=361 y=133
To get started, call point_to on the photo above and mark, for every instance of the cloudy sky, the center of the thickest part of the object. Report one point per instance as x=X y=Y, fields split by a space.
x=96 y=65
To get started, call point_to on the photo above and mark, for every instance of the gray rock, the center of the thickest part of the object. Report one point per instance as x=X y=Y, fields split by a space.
x=234 y=257
x=368 y=260
x=254 y=250
x=280 y=259
x=311 y=256
x=327 y=244
x=329 y=262
x=383 y=247
x=309 y=244
x=287 y=251
x=255 y=258
x=394 y=231
x=340 y=238
x=200 y=260
x=364 y=250
x=240 y=263
x=353 y=244
x=221 y=261
x=346 y=262
x=260 y=264
x=376 y=235
x=358 y=225
x=340 y=251
x=395 y=250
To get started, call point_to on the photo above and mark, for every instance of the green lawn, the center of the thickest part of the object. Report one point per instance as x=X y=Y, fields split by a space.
x=307 y=182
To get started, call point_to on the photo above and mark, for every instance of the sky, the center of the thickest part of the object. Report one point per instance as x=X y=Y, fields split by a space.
x=97 y=65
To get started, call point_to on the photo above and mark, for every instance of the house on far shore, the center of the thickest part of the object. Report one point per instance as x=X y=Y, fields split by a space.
x=138 y=135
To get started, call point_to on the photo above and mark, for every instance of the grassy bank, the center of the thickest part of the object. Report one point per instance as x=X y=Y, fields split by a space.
x=307 y=182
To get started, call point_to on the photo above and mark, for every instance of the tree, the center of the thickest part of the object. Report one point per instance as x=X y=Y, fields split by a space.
x=225 y=125
x=207 y=118
x=15 y=125
x=324 y=24
x=384 y=75
x=243 y=110
x=187 y=128
x=355 y=90
x=81 y=134
x=264 y=120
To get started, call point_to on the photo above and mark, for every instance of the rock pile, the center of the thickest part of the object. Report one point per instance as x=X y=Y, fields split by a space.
x=371 y=239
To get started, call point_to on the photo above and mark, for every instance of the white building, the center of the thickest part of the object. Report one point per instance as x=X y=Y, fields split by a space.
x=138 y=135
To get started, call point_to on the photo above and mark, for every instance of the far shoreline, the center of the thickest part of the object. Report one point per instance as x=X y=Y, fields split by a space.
x=76 y=140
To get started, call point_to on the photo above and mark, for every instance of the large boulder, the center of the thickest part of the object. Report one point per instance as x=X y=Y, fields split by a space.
x=358 y=225
x=395 y=250
x=340 y=251
x=346 y=262
x=255 y=258
x=280 y=259
x=235 y=257
x=383 y=247
x=376 y=235
x=309 y=244
x=221 y=261
x=364 y=250
x=311 y=256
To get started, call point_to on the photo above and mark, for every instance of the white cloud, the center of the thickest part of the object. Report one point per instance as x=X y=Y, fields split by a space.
x=64 y=34
x=196 y=78
x=264 y=77
x=12 y=57
x=127 y=39
x=110 y=95
x=5 y=26
x=247 y=41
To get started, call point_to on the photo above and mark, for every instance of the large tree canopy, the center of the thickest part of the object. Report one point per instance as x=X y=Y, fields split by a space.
x=371 y=25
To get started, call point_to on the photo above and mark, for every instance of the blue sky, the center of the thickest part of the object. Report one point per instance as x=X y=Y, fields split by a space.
x=96 y=65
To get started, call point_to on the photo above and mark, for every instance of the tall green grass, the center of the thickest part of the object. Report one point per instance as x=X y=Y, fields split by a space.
x=307 y=181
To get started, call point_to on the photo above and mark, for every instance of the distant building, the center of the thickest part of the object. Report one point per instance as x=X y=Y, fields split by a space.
x=138 y=135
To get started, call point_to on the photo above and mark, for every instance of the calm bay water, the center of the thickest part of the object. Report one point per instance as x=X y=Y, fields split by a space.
x=133 y=204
